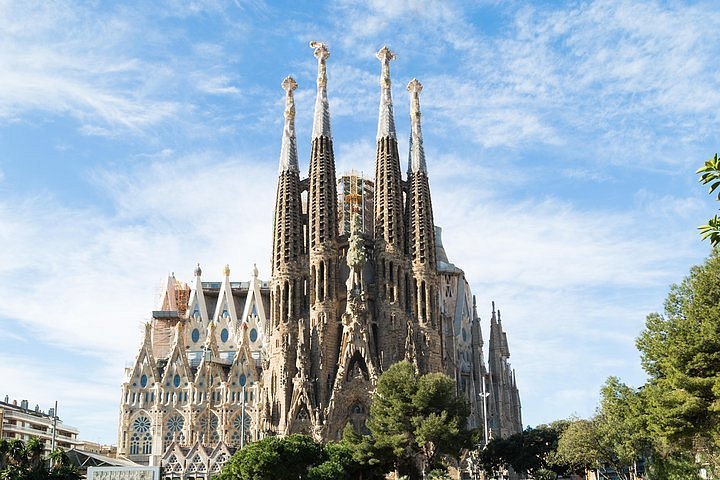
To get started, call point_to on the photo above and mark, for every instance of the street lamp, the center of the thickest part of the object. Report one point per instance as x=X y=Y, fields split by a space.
x=484 y=396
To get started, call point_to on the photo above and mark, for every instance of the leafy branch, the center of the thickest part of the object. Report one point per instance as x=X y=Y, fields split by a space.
x=710 y=175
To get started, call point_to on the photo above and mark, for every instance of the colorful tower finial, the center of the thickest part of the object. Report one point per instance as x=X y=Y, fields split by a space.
x=321 y=119
x=288 y=150
x=386 y=119
x=226 y=270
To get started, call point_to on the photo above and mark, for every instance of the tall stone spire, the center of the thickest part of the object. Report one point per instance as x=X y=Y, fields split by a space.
x=386 y=119
x=392 y=278
x=506 y=415
x=388 y=189
x=289 y=263
x=288 y=231
x=421 y=236
x=321 y=119
x=421 y=228
x=322 y=239
x=288 y=150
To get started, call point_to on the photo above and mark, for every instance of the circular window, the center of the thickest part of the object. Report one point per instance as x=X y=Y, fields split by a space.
x=213 y=424
x=237 y=423
x=243 y=380
x=225 y=314
x=224 y=335
x=143 y=381
x=176 y=380
x=253 y=334
x=175 y=423
x=195 y=335
x=141 y=424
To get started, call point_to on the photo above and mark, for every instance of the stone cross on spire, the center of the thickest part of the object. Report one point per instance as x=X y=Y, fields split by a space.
x=288 y=150
x=386 y=119
x=321 y=119
x=417 y=153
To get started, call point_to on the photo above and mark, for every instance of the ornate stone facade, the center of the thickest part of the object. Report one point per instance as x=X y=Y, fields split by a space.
x=223 y=363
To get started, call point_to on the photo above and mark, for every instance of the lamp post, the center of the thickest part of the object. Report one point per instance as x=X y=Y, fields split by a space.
x=484 y=396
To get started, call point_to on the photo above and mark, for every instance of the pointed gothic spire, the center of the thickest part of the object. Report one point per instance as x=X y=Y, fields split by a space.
x=288 y=150
x=321 y=119
x=416 y=161
x=386 y=119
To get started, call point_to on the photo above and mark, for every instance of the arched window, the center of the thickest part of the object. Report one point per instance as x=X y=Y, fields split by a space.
x=147 y=444
x=135 y=444
x=141 y=440
x=173 y=425
x=168 y=440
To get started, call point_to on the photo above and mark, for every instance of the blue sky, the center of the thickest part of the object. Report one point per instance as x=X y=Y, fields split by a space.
x=140 y=138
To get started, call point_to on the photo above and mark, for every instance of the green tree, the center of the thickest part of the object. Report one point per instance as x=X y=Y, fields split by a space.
x=294 y=457
x=417 y=419
x=274 y=458
x=616 y=436
x=25 y=461
x=532 y=452
x=680 y=351
x=710 y=175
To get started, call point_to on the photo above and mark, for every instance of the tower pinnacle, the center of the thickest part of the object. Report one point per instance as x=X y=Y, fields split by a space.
x=288 y=150
x=386 y=120
x=321 y=119
x=417 y=153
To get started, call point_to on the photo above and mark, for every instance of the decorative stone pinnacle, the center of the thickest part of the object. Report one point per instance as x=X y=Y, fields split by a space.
x=288 y=149
x=321 y=51
x=386 y=120
x=385 y=55
x=198 y=270
x=226 y=270
x=289 y=84
x=417 y=153
x=321 y=119
x=414 y=86
x=255 y=271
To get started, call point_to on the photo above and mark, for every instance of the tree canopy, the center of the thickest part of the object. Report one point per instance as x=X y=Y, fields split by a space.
x=417 y=417
x=710 y=175
x=532 y=451
x=680 y=350
x=25 y=461
x=276 y=458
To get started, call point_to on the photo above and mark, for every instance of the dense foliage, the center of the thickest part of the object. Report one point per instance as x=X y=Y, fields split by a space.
x=291 y=458
x=670 y=427
x=417 y=420
x=25 y=461
x=532 y=452
x=710 y=175
x=680 y=351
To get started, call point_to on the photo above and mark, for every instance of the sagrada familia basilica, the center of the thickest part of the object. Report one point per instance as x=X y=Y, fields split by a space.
x=360 y=280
